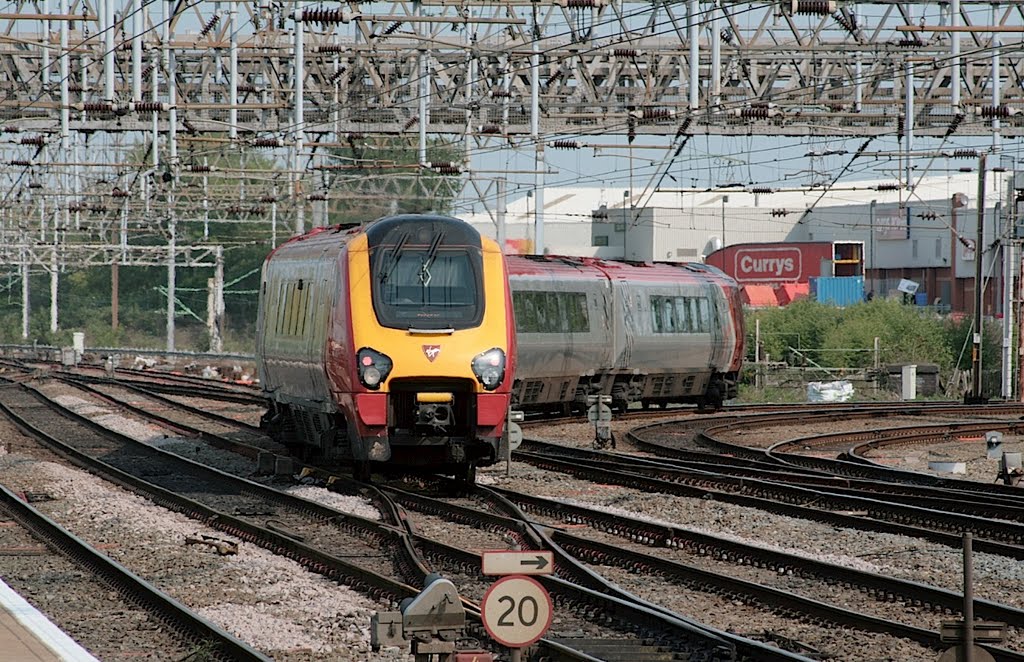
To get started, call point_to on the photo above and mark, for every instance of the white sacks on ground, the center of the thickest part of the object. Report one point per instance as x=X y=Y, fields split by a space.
x=840 y=391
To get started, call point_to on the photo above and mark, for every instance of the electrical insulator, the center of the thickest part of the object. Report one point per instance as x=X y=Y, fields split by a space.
x=625 y=52
x=235 y=209
x=21 y=162
x=198 y=168
x=246 y=87
x=1001 y=110
x=97 y=107
x=928 y=215
x=817 y=7
x=146 y=71
x=76 y=207
x=845 y=23
x=580 y=4
x=97 y=209
x=331 y=48
x=35 y=185
x=565 y=144
x=910 y=42
x=333 y=78
x=780 y=212
x=255 y=211
x=268 y=199
x=210 y=24
x=754 y=112
x=656 y=113
x=10 y=129
x=317 y=197
x=900 y=126
x=409 y=123
x=321 y=16
x=965 y=154
x=391 y=29
x=954 y=124
x=499 y=94
x=148 y=107
x=684 y=127
x=34 y=140
x=887 y=187
x=118 y=193
x=761 y=190
x=267 y=142
x=445 y=167
x=557 y=76
x=488 y=129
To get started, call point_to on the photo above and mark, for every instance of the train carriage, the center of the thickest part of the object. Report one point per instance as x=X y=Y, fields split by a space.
x=656 y=333
x=390 y=343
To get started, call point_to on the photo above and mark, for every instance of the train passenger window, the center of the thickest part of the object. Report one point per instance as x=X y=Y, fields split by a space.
x=705 y=315
x=293 y=303
x=680 y=315
x=551 y=312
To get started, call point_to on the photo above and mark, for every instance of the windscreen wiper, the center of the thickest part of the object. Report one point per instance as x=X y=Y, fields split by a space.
x=428 y=260
x=388 y=267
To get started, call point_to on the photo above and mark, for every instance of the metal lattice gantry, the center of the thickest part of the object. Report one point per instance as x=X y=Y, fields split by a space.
x=122 y=119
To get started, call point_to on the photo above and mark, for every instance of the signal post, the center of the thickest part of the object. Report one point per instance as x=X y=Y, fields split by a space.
x=517 y=609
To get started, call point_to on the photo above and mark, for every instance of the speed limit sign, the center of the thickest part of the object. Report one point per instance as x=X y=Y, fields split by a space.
x=516 y=611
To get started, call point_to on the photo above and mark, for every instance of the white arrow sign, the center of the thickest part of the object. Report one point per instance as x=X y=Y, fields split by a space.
x=518 y=563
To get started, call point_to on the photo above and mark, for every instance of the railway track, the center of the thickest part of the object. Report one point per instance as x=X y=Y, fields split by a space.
x=630 y=636
x=107 y=597
x=678 y=576
x=995 y=536
x=240 y=509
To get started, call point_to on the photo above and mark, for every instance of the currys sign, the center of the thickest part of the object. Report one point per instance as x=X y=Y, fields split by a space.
x=780 y=264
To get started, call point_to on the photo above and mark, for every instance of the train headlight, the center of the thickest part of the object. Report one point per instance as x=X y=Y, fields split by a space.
x=489 y=368
x=374 y=367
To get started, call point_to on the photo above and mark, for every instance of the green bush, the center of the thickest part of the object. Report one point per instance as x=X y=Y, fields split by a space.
x=844 y=337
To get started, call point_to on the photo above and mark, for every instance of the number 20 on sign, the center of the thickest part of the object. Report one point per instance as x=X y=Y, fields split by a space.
x=516 y=611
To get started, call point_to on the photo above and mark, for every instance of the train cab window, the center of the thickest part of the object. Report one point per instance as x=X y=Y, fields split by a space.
x=426 y=273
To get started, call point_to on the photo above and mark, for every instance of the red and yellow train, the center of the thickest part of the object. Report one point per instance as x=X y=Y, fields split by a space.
x=392 y=342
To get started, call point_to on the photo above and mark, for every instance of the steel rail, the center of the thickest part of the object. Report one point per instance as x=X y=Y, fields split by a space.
x=88 y=384
x=776 y=599
x=876 y=517
x=372 y=583
x=313 y=559
x=161 y=606
x=661 y=536
x=579 y=586
x=710 y=463
x=844 y=465
x=962 y=503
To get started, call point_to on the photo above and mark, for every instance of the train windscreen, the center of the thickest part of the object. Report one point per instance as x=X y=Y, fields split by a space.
x=427 y=277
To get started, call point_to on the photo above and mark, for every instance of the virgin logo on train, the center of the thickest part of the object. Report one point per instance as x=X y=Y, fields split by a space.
x=431 y=352
x=767 y=264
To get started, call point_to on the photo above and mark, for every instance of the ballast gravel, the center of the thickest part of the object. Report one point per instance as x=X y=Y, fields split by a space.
x=266 y=600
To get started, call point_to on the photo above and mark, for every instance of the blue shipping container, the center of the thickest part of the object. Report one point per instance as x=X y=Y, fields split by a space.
x=838 y=290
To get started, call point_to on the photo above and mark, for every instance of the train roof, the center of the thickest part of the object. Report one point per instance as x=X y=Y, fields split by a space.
x=344 y=233
x=585 y=268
